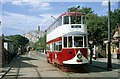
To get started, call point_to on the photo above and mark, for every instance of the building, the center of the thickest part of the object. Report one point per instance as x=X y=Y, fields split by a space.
x=34 y=36
x=115 y=42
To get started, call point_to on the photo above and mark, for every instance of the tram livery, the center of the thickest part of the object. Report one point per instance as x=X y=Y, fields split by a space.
x=67 y=41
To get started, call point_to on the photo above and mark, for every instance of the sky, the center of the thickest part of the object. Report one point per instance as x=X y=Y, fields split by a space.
x=22 y=16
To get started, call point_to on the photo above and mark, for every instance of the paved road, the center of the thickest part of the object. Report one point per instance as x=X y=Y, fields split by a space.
x=36 y=66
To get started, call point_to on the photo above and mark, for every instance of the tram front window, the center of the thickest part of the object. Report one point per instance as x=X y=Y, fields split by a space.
x=78 y=41
x=65 y=41
x=75 y=19
x=70 y=41
x=66 y=19
x=83 y=20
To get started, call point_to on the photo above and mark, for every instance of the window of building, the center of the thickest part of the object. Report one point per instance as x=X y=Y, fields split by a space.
x=66 y=19
x=75 y=19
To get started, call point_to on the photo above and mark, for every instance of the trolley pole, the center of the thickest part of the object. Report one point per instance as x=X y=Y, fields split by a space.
x=109 y=65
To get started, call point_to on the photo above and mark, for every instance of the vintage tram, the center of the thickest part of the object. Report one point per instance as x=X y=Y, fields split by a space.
x=67 y=40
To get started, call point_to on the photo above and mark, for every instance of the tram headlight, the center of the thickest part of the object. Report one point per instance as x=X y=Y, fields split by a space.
x=79 y=56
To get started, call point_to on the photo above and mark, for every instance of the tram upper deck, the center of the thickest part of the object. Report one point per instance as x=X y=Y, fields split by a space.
x=66 y=23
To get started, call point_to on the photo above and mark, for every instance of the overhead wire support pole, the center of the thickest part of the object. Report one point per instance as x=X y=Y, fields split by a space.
x=109 y=65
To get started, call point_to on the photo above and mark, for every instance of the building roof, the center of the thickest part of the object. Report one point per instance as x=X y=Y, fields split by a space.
x=116 y=33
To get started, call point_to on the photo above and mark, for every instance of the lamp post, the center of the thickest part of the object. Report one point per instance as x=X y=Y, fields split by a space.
x=109 y=65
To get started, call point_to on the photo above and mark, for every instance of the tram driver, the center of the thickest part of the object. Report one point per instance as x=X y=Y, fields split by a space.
x=76 y=43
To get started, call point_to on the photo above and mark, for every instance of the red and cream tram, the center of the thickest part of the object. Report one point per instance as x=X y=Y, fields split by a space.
x=67 y=41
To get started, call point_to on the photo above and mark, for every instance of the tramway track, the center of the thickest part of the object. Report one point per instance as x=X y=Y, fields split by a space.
x=66 y=68
x=8 y=74
x=39 y=76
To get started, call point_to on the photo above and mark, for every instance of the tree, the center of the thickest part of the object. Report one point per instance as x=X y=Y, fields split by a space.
x=18 y=40
x=41 y=43
x=115 y=17
x=77 y=9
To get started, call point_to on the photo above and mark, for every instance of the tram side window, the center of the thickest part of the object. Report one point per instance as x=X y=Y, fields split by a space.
x=85 y=41
x=75 y=19
x=60 y=46
x=66 y=19
x=83 y=20
x=48 y=47
x=65 y=41
x=60 y=22
x=70 y=41
x=53 y=46
x=57 y=46
x=78 y=41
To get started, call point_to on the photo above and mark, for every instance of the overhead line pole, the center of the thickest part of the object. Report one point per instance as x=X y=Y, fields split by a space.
x=109 y=65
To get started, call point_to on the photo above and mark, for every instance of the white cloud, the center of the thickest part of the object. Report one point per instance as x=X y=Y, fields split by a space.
x=20 y=21
x=33 y=3
x=19 y=3
x=64 y=0
x=26 y=22
x=45 y=4
x=105 y=3
x=48 y=20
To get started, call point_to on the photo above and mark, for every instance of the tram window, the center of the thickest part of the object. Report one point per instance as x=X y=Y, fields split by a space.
x=75 y=19
x=53 y=46
x=85 y=41
x=56 y=46
x=78 y=41
x=65 y=41
x=48 y=47
x=60 y=22
x=70 y=41
x=60 y=46
x=83 y=20
x=66 y=19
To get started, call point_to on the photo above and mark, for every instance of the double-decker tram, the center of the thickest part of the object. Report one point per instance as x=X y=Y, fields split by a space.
x=67 y=41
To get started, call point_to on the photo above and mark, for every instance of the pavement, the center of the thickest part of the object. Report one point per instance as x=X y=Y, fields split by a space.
x=36 y=66
x=102 y=63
